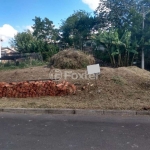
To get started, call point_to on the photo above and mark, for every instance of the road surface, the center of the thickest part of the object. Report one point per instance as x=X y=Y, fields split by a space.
x=73 y=132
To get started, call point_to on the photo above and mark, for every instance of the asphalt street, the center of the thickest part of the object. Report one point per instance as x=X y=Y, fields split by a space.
x=73 y=132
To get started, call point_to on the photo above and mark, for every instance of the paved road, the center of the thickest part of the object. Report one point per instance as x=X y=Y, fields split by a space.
x=72 y=132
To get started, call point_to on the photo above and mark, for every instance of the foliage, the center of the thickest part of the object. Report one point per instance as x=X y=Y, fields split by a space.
x=76 y=28
x=114 y=13
x=122 y=30
x=25 y=42
x=147 y=60
x=44 y=30
x=52 y=49
x=115 y=46
x=102 y=57
x=126 y=15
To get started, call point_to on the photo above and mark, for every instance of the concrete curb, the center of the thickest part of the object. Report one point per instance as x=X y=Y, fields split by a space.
x=38 y=111
x=74 y=111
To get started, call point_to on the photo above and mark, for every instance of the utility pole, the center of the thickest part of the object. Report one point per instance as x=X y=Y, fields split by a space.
x=144 y=13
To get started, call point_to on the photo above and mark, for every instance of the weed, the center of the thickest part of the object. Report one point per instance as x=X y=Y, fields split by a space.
x=118 y=80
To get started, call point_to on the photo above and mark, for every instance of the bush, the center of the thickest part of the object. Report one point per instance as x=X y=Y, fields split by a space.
x=49 y=51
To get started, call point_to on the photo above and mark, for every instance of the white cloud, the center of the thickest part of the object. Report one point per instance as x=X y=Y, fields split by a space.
x=24 y=28
x=7 y=32
x=93 y=4
x=29 y=27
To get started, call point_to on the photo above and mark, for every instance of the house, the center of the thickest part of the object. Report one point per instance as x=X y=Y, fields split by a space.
x=6 y=51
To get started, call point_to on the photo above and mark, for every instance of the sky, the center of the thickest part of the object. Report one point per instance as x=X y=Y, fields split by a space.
x=16 y=15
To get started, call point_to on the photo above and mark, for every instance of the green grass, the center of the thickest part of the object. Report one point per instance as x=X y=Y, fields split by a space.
x=21 y=65
x=118 y=80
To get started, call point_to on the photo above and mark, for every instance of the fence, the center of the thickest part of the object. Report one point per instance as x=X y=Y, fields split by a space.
x=17 y=57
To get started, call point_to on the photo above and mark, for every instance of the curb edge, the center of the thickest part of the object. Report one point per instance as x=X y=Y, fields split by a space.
x=74 y=111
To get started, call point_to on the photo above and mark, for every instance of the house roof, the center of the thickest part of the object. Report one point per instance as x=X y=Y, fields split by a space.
x=3 y=48
x=7 y=48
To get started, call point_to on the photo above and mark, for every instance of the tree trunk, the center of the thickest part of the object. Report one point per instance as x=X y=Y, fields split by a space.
x=119 y=60
x=114 y=62
x=110 y=58
x=128 y=58
x=81 y=45
x=132 y=59
x=142 y=64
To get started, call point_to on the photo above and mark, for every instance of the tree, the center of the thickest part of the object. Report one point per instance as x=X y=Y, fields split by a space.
x=143 y=32
x=126 y=15
x=115 y=46
x=25 y=42
x=114 y=13
x=44 y=30
x=76 y=28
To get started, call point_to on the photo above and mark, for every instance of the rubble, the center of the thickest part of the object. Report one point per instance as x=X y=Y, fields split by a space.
x=35 y=89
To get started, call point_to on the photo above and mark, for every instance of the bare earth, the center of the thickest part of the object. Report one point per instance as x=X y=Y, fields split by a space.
x=119 y=88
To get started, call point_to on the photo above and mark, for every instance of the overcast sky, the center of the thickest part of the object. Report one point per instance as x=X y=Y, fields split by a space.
x=17 y=15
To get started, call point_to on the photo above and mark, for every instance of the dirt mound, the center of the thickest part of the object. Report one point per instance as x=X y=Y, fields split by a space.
x=118 y=88
x=71 y=59
x=136 y=71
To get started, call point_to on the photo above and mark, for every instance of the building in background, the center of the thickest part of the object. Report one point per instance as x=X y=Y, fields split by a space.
x=6 y=51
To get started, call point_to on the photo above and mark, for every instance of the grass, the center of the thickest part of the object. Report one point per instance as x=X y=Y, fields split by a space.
x=124 y=88
x=21 y=65
x=71 y=59
x=103 y=102
x=118 y=80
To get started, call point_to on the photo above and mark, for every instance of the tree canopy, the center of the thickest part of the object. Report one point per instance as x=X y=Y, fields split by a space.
x=44 y=30
x=121 y=26
x=77 y=28
x=126 y=15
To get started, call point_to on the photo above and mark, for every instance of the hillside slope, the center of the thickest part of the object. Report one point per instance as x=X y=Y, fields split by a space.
x=118 y=88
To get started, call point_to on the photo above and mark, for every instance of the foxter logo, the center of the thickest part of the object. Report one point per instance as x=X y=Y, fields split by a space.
x=57 y=74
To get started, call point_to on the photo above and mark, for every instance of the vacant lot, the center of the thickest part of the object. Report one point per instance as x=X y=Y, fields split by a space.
x=118 y=88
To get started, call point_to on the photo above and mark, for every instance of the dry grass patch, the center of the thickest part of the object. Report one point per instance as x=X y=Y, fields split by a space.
x=118 y=88
x=71 y=59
